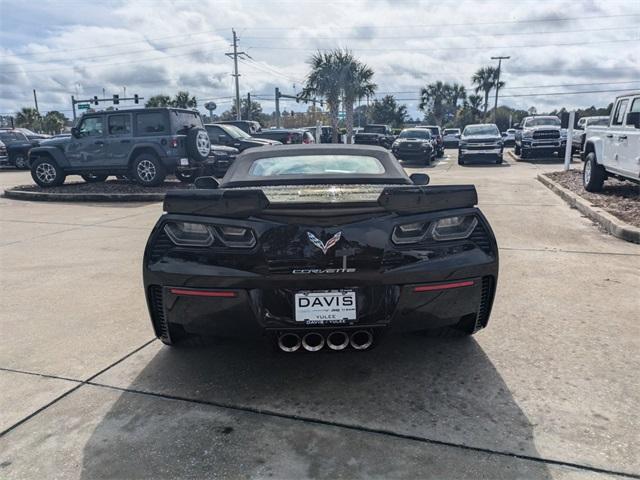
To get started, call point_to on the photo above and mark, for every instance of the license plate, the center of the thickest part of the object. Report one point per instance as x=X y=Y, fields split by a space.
x=330 y=306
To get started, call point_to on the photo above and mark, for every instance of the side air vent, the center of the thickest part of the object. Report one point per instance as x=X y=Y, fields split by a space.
x=157 y=313
x=486 y=300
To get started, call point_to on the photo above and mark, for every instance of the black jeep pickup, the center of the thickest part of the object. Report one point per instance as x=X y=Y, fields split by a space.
x=375 y=135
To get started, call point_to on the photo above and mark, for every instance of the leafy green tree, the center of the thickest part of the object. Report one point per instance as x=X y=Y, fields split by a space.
x=53 y=122
x=485 y=80
x=388 y=111
x=255 y=109
x=158 y=101
x=29 y=118
x=355 y=82
x=433 y=101
x=183 y=100
x=324 y=81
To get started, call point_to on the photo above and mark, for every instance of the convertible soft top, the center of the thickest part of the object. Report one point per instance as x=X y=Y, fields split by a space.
x=238 y=174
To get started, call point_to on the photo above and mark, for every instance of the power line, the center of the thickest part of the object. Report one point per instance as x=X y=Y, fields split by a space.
x=563 y=32
x=538 y=94
x=483 y=47
x=571 y=85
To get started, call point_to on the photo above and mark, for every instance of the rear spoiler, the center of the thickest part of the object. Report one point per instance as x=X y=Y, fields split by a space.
x=420 y=199
x=216 y=203
x=243 y=203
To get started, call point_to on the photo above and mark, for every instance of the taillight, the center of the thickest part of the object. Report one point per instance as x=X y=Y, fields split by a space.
x=173 y=143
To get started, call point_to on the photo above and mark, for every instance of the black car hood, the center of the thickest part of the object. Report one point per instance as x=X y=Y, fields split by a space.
x=262 y=141
x=224 y=149
x=54 y=142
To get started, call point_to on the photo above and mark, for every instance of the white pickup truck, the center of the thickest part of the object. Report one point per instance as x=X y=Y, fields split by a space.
x=613 y=150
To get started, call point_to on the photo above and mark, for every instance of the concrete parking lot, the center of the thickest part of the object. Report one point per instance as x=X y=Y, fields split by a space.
x=550 y=390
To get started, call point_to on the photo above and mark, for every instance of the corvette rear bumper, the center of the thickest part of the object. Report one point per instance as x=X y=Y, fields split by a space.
x=411 y=300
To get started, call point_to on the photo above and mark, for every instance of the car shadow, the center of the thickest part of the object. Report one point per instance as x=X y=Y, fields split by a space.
x=444 y=391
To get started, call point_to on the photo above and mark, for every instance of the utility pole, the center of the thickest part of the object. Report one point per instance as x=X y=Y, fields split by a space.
x=277 y=107
x=235 y=73
x=35 y=99
x=495 y=106
x=73 y=106
x=248 y=106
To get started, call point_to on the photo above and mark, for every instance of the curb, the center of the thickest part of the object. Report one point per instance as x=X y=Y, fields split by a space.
x=82 y=197
x=611 y=224
x=513 y=155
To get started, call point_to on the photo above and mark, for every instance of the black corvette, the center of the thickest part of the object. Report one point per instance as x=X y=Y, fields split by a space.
x=319 y=247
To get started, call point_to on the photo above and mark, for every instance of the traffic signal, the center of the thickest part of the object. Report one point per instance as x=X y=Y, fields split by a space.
x=135 y=98
x=95 y=99
x=116 y=99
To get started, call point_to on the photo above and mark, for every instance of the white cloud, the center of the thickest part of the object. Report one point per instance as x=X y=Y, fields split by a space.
x=163 y=46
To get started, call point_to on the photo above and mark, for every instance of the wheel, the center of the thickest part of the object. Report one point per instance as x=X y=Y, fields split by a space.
x=524 y=153
x=460 y=159
x=499 y=160
x=198 y=144
x=91 y=178
x=427 y=161
x=20 y=161
x=186 y=177
x=464 y=328
x=593 y=175
x=177 y=333
x=516 y=149
x=148 y=171
x=46 y=173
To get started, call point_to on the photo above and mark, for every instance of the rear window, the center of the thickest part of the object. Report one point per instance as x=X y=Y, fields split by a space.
x=415 y=133
x=451 y=131
x=316 y=165
x=181 y=120
x=151 y=123
x=374 y=129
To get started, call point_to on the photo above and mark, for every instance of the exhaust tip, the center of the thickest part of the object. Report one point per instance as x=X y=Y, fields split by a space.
x=361 y=339
x=312 y=342
x=337 y=340
x=289 y=342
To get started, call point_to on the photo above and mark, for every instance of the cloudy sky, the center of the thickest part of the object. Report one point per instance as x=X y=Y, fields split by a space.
x=64 y=47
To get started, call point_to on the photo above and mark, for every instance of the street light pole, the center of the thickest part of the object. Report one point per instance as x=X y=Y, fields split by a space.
x=495 y=106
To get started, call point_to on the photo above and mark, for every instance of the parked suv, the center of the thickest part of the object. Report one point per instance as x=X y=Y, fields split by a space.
x=144 y=144
x=232 y=136
x=542 y=134
x=436 y=133
x=613 y=150
x=375 y=135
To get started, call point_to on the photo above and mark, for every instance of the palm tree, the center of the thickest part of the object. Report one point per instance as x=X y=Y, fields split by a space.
x=355 y=83
x=183 y=100
x=324 y=81
x=54 y=122
x=433 y=98
x=28 y=118
x=158 y=101
x=485 y=80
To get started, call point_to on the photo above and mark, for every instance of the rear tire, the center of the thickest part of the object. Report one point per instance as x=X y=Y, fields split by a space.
x=91 y=178
x=20 y=161
x=460 y=159
x=593 y=175
x=516 y=149
x=148 y=171
x=46 y=173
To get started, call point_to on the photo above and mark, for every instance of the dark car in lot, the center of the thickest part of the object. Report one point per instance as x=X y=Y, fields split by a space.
x=271 y=251
x=143 y=144
x=18 y=147
x=248 y=126
x=436 y=133
x=373 y=134
x=580 y=132
x=415 y=144
x=481 y=141
x=287 y=136
x=232 y=136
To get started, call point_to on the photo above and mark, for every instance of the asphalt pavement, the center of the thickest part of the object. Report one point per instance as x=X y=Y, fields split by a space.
x=549 y=390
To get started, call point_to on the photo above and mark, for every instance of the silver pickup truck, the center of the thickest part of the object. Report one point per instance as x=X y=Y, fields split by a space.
x=613 y=150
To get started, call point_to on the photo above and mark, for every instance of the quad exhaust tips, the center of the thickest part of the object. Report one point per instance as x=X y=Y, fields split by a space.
x=337 y=340
x=361 y=339
x=314 y=341
x=289 y=342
